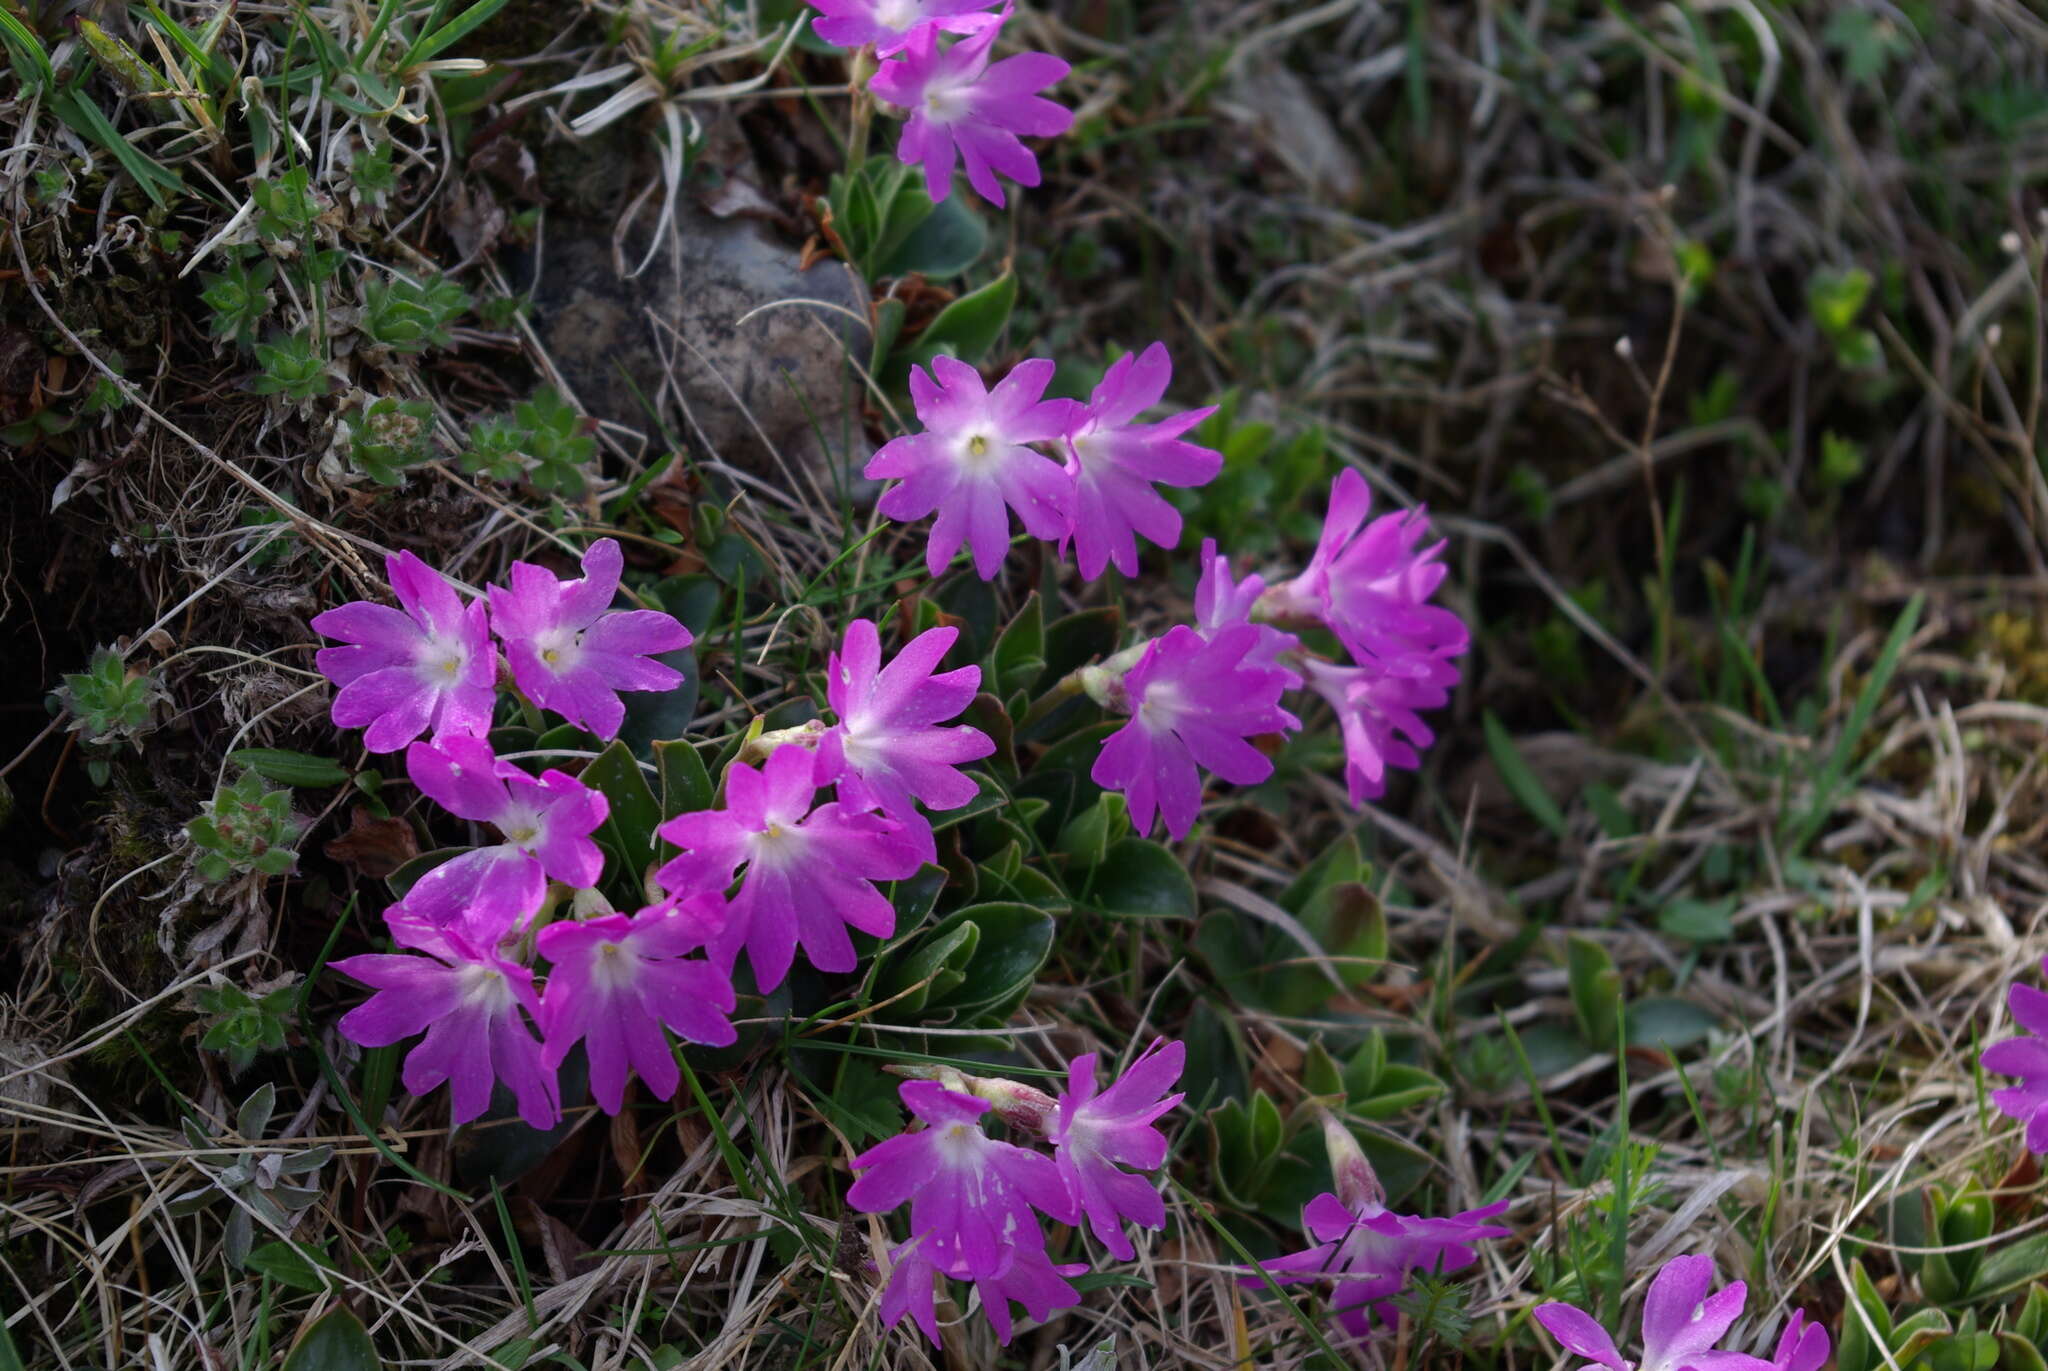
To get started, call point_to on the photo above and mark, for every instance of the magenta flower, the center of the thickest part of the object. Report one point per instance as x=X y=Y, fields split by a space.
x=2026 y=1057
x=1803 y=1346
x=568 y=654
x=1114 y=461
x=1222 y=601
x=1372 y=587
x=887 y=751
x=1095 y=1135
x=969 y=1195
x=970 y=462
x=1191 y=702
x=962 y=105
x=616 y=980
x=468 y=1003
x=889 y=24
x=1681 y=1324
x=809 y=872
x=431 y=667
x=1369 y=1251
x=546 y=825
x=1377 y=715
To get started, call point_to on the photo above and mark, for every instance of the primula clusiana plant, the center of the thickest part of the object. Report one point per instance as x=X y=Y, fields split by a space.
x=1367 y=1251
x=2026 y=1057
x=975 y=1199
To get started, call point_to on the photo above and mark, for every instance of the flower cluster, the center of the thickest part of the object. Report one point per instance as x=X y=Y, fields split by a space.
x=770 y=870
x=468 y=926
x=2026 y=1057
x=962 y=109
x=799 y=871
x=1197 y=695
x=974 y=463
x=974 y=1199
x=1683 y=1319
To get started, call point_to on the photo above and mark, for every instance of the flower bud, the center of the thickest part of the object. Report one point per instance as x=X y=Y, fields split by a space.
x=1358 y=1187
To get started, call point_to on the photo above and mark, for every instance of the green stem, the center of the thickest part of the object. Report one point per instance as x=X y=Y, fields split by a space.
x=859 y=68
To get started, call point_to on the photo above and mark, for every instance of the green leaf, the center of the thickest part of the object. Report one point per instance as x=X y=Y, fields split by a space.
x=940 y=958
x=2016 y=1353
x=1595 y=991
x=1014 y=941
x=336 y=1341
x=1671 y=1023
x=2013 y=1265
x=950 y=239
x=628 y=829
x=1320 y=1074
x=290 y=768
x=1699 y=921
x=1520 y=780
x=685 y=783
x=1018 y=659
x=1140 y=879
x=1088 y=836
x=967 y=328
x=283 y=1263
x=1835 y=298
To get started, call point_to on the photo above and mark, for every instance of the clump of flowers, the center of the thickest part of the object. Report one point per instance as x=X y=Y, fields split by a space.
x=975 y=1199
x=1198 y=695
x=2026 y=1057
x=465 y=980
x=1368 y=1251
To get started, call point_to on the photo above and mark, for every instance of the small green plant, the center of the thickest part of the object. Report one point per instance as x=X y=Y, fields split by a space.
x=110 y=703
x=286 y=207
x=543 y=442
x=247 y=827
x=1261 y=470
x=408 y=316
x=373 y=175
x=290 y=366
x=254 y=1179
x=239 y=298
x=1835 y=299
x=242 y=1026
x=390 y=436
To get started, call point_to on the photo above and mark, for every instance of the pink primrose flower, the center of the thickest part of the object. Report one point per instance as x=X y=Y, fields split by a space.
x=430 y=667
x=970 y=1196
x=1681 y=1323
x=617 y=979
x=570 y=652
x=888 y=751
x=1193 y=703
x=492 y=891
x=890 y=24
x=1114 y=461
x=468 y=1001
x=971 y=464
x=967 y=109
x=808 y=873
x=2026 y=1057
x=1096 y=1135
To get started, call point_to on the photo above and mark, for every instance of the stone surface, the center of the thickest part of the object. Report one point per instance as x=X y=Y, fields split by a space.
x=708 y=336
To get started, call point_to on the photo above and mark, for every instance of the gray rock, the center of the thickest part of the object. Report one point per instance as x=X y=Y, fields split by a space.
x=712 y=335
